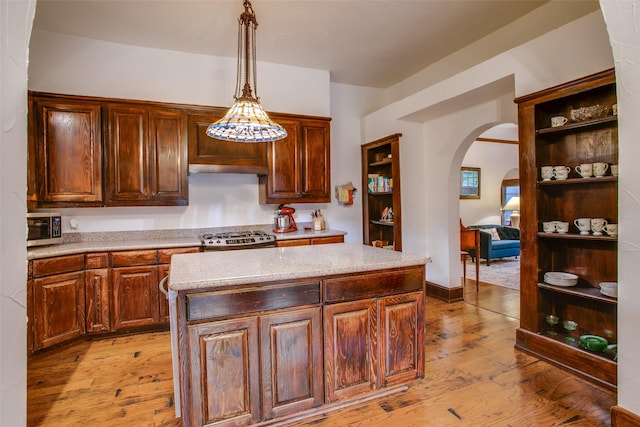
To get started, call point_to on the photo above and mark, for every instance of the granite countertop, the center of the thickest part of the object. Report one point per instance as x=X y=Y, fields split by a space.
x=77 y=243
x=226 y=268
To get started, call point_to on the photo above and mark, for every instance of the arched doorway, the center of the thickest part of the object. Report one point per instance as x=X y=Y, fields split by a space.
x=494 y=153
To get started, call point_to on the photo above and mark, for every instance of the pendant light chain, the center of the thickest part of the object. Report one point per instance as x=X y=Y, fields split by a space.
x=236 y=94
x=246 y=120
x=254 y=65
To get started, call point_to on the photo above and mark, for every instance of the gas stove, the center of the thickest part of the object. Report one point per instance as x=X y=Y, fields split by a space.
x=237 y=240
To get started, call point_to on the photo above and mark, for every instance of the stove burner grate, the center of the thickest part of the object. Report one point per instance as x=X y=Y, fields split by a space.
x=237 y=240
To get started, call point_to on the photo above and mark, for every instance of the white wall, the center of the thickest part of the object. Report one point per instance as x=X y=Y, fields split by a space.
x=622 y=23
x=17 y=19
x=348 y=105
x=495 y=160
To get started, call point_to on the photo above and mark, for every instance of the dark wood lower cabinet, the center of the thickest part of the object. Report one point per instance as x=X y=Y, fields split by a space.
x=135 y=297
x=351 y=348
x=269 y=351
x=401 y=338
x=291 y=362
x=98 y=300
x=58 y=309
x=224 y=378
x=275 y=359
x=373 y=343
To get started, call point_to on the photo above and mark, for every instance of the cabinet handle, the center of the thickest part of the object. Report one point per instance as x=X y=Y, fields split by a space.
x=162 y=288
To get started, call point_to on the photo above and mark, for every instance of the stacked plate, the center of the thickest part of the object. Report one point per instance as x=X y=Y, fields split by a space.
x=559 y=278
x=609 y=289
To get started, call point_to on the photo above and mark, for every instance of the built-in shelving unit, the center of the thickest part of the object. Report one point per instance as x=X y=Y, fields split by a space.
x=381 y=192
x=593 y=258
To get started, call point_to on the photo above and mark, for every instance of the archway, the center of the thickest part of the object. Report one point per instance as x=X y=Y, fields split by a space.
x=494 y=153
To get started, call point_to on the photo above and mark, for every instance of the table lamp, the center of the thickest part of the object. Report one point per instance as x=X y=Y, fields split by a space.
x=514 y=205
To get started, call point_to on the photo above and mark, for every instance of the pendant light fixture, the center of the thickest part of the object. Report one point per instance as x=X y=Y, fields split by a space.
x=246 y=120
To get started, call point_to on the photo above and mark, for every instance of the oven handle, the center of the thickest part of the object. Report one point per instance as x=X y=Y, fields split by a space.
x=164 y=290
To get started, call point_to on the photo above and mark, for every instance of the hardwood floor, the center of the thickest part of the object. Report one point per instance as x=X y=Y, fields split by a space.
x=494 y=298
x=474 y=377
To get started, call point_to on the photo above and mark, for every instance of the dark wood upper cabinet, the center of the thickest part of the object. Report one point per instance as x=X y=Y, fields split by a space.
x=207 y=154
x=299 y=165
x=146 y=152
x=138 y=153
x=64 y=133
x=86 y=151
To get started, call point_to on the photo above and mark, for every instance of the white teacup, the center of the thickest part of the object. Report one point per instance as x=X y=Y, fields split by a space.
x=600 y=169
x=614 y=170
x=597 y=226
x=562 y=227
x=561 y=172
x=611 y=229
x=585 y=170
x=558 y=121
x=546 y=172
x=583 y=225
x=549 y=226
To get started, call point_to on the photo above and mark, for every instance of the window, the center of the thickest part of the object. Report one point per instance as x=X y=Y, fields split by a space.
x=469 y=183
x=510 y=188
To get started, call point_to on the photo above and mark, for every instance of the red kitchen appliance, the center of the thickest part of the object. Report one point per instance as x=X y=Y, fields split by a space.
x=283 y=221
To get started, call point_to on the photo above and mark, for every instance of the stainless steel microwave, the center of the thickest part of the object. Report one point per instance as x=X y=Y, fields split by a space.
x=43 y=228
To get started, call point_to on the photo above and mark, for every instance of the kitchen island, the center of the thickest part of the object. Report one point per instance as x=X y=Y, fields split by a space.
x=272 y=333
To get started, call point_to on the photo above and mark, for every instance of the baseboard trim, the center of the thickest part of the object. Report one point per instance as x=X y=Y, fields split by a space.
x=621 y=417
x=443 y=293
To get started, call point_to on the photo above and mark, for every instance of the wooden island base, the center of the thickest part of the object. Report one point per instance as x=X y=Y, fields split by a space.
x=264 y=352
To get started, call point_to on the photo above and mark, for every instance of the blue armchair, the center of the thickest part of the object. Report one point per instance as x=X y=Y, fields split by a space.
x=508 y=245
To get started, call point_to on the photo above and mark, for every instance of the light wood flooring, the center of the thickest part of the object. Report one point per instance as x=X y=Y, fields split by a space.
x=474 y=377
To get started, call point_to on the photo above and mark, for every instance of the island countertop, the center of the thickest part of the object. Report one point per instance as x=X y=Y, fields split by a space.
x=228 y=268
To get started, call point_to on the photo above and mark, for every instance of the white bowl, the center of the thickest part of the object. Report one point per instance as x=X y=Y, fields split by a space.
x=609 y=289
x=609 y=285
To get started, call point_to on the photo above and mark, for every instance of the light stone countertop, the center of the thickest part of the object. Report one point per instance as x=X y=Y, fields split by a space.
x=227 y=268
x=77 y=243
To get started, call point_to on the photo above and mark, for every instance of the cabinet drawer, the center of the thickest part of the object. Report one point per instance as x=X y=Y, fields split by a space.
x=164 y=255
x=292 y=242
x=373 y=284
x=211 y=305
x=58 y=265
x=325 y=240
x=133 y=258
x=97 y=260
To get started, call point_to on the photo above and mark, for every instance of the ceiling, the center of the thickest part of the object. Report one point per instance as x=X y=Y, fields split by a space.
x=375 y=43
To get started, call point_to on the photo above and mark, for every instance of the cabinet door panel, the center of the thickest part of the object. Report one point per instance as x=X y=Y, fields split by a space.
x=168 y=146
x=135 y=297
x=128 y=154
x=66 y=133
x=350 y=349
x=291 y=362
x=224 y=356
x=58 y=308
x=316 y=170
x=283 y=180
x=98 y=297
x=402 y=337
